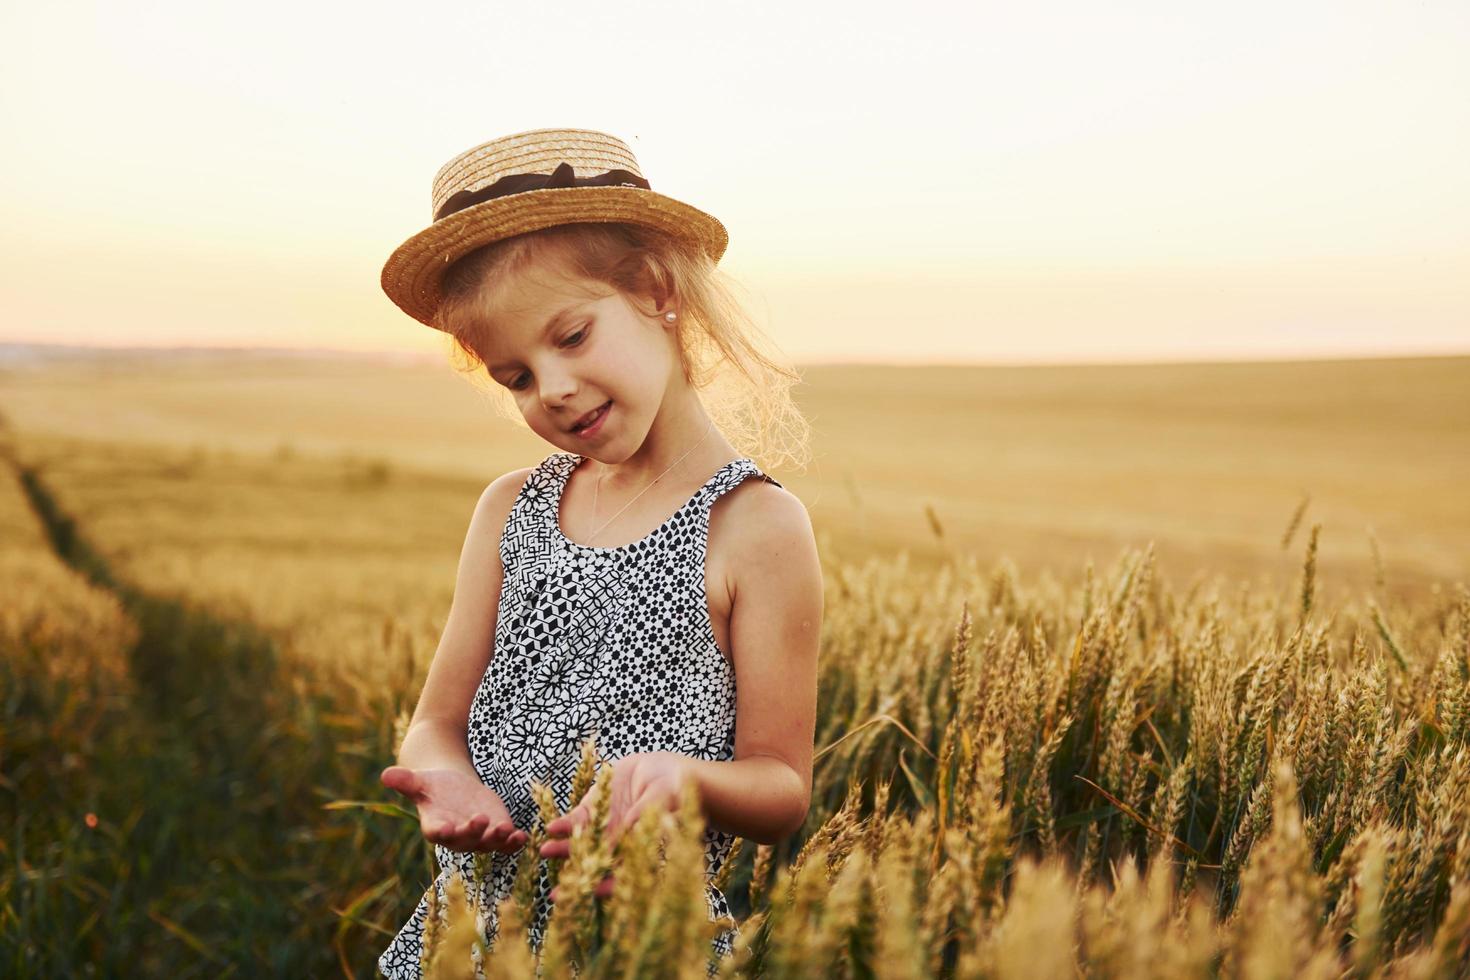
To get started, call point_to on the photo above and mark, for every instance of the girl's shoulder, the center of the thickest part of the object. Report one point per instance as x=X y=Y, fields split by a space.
x=515 y=499
x=499 y=498
x=760 y=516
x=544 y=474
x=760 y=499
x=764 y=555
x=512 y=487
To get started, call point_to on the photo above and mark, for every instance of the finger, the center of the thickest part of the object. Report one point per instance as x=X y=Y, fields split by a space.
x=620 y=825
x=459 y=835
x=402 y=779
x=494 y=837
x=504 y=836
x=513 y=841
x=443 y=833
x=456 y=830
x=556 y=849
x=564 y=824
x=567 y=824
x=489 y=837
x=616 y=828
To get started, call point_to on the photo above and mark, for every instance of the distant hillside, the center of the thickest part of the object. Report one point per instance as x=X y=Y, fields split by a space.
x=21 y=356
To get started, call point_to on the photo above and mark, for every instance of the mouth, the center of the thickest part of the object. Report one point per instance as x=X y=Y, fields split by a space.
x=592 y=419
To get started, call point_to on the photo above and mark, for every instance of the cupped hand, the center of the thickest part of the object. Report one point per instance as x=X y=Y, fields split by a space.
x=456 y=810
x=639 y=781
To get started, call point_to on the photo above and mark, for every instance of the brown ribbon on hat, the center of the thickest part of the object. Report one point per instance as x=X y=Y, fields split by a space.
x=562 y=176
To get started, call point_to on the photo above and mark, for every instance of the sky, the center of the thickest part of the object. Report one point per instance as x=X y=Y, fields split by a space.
x=934 y=182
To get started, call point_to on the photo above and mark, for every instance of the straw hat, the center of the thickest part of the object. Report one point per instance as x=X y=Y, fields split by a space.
x=525 y=182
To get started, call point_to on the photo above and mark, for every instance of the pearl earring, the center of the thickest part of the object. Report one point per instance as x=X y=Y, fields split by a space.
x=671 y=316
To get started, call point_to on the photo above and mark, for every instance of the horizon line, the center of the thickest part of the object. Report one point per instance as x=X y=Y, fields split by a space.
x=425 y=358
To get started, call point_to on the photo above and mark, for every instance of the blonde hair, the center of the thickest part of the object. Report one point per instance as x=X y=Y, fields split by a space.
x=744 y=382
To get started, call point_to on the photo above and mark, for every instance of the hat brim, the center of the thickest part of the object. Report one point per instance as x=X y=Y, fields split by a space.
x=412 y=274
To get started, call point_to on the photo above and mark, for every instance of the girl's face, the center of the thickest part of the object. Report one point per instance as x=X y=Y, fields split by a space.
x=566 y=347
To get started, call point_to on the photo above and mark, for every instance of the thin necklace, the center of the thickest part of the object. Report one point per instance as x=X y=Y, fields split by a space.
x=645 y=489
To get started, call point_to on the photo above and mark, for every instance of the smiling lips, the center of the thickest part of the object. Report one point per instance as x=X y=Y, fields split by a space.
x=590 y=417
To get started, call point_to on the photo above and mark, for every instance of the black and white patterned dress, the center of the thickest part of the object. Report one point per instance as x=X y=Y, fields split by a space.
x=612 y=641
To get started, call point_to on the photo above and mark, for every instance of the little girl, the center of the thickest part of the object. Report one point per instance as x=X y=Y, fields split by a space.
x=602 y=593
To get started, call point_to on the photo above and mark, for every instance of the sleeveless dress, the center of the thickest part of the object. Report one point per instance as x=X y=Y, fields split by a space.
x=612 y=641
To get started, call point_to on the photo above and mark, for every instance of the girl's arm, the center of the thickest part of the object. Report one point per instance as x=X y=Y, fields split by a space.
x=775 y=627
x=437 y=736
x=760 y=798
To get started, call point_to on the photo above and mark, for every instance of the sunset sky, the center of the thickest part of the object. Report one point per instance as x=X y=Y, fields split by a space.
x=996 y=183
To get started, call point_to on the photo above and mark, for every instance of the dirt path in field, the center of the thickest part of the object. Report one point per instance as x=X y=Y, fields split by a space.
x=209 y=857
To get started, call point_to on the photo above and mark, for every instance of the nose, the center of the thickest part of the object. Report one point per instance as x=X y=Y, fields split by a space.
x=557 y=388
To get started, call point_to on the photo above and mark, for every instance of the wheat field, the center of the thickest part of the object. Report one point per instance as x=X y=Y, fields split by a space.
x=1126 y=671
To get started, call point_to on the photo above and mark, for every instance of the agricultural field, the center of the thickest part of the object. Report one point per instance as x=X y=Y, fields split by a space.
x=1130 y=670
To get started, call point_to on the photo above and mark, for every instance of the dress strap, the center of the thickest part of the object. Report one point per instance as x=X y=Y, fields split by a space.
x=728 y=478
x=731 y=476
x=526 y=523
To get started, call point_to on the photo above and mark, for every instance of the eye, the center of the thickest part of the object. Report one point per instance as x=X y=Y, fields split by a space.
x=574 y=340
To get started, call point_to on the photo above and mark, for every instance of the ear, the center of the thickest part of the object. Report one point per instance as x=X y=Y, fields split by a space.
x=646 y=303
x=663 y=304
x=657 y=284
